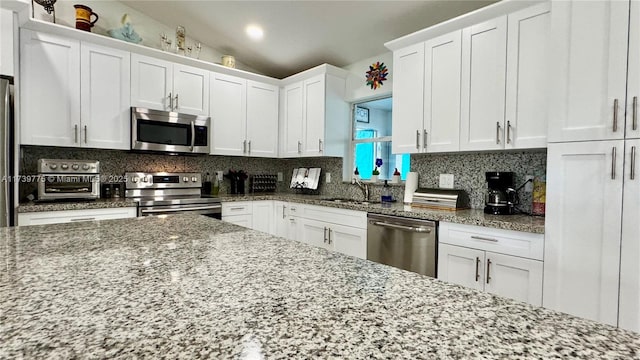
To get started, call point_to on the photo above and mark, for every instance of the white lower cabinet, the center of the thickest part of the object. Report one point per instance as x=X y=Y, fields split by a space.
x=281 y=219
x=57 y=217
x=263 y=216
x=464 y=259
x=238 y=213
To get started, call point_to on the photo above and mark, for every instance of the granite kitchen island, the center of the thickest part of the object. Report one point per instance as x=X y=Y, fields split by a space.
x=188 y=286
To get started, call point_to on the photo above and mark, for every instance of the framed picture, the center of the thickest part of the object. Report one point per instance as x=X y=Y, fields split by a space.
x=362 y=115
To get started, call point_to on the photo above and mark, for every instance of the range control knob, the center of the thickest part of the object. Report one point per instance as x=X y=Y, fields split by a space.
x=194 y=179
x=185 y=179
x=85 y=167
x=135 y=179
x=53 y=166
x=64 y=166
x=75 y=166
x=145 y=179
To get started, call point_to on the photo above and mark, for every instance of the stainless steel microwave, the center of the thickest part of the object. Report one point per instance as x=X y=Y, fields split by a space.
x=153 y=130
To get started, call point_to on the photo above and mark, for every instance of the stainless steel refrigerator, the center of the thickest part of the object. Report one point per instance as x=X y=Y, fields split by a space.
x=7 y=159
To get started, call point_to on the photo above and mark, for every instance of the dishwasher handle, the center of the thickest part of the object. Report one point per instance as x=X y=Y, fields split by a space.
x=419 y=229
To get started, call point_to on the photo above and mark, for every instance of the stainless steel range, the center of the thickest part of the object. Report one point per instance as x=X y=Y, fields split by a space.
x=170 y=193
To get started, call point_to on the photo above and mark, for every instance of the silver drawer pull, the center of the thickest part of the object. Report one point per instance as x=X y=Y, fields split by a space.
x=477 y=269
x=633 y=163
x=237 y=208
x=498 y=132
x=613 y=163
x=615 y=115
x=634 y=123
x=417 y=139
x=484 y=238
x=84 y=219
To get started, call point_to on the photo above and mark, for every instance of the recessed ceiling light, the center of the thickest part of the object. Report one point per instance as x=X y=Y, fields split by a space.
x=255 y=32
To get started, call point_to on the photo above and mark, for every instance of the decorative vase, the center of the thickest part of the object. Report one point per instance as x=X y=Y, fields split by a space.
x=395 y=179
x=374 y=178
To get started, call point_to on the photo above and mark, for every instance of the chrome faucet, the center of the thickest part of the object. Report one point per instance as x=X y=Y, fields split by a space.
x=363 y=186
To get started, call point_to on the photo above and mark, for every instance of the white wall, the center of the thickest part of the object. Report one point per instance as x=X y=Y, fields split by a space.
x=357 y=88
x=110 y=13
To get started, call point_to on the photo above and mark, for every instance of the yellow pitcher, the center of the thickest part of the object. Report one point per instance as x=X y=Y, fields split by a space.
x=83 y=17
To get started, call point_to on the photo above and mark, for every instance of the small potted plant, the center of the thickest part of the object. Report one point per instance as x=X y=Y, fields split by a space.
x=396 y=177
x=376 y=173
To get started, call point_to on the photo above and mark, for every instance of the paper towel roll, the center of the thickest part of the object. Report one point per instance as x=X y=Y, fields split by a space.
x=410 y=186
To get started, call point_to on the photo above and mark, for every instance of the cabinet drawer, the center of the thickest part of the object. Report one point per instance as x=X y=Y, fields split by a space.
x=57 y=217
x=352 y=218
x=241 y=220
x=236 y=208
x=527 y=245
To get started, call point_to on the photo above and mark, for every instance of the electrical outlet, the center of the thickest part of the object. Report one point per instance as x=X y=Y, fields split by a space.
x=446 y=181
x=328 y=177
x=219 y=174
x=280 y=176
x=528 y=187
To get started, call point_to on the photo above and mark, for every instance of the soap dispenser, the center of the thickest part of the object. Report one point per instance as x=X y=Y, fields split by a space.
x=387 y=196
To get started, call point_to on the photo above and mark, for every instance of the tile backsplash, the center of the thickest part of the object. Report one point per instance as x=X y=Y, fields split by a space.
x=468 y=168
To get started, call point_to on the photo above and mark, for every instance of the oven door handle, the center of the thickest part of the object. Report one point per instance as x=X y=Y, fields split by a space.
x=404 y=228
x=154 y=211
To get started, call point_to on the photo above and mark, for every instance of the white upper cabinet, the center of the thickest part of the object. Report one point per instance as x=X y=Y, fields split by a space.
x=292 y=120
x=228 y=115
x=408 y=99
x=315 y=119
x=527 y=78
x=105 y=96
x=6 y=42
x=484 y=49
x=244 y=116
x=162 y=85
x=583 y=228
x=54 y=112
x=442 y=93
x=262 y=119
x=589 y=70
x=633 y=81
x=49 y=90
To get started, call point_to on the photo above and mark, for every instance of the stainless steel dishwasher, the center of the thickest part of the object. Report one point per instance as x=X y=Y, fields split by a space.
x=409 y=244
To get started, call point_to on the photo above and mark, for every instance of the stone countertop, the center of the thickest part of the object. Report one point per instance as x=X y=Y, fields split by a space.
x=147 y=288
x=75 y=205
x=520 y=222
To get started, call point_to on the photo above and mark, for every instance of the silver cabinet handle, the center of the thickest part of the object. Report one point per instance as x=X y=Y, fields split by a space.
x=283 y=210
x=293 y=209
x=615 y=115
x=237 y=208
x=613 y=163
x=320 y=149
x=477 y=269
x=85 y=134
x=508 y=132
x=244 y=146
x=634 y=123
x=249 y=146
x=402 y=227
x=633 y=163
x=424 y=139
x=299 y=147
x=330 y=236
x=324 y=234
x=170 y=102
x=176 y=102
x=84 y=219
x=418 y=139
x=498 y=132
x=483 y=238
x=488 y=269
x=76 y=133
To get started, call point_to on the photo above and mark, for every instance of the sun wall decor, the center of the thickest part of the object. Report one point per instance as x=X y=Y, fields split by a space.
x=376 y=75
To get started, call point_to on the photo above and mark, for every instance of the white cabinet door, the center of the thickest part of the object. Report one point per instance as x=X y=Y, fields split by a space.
x=190 y=90
x=408 y=99
x=262 y=119
x=314 y=111
x=629 y=317
x=228 y=115
x=514 y=277
x=292 y=120
x=484 y=49
x=281 y=223
x=582 y=232
x=263 y=216
x=151 y=83
x=240 y=220
x=49 y=90
x=588 y=70
x=633 y=76
x=527 y=78
x=293 y=229
x=313 y=233
x=105 y=99
x=443 y=58
x=462 y=266
x=348 y=240
x=6 y=43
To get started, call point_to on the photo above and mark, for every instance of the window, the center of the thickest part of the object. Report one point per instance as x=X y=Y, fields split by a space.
x=372 y=140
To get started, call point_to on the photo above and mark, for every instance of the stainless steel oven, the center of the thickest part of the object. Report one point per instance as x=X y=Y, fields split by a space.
x=166 y=193
x=60 y=179
x=153 y=130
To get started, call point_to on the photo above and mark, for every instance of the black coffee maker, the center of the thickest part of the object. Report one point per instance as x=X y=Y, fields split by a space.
x=501 y=197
